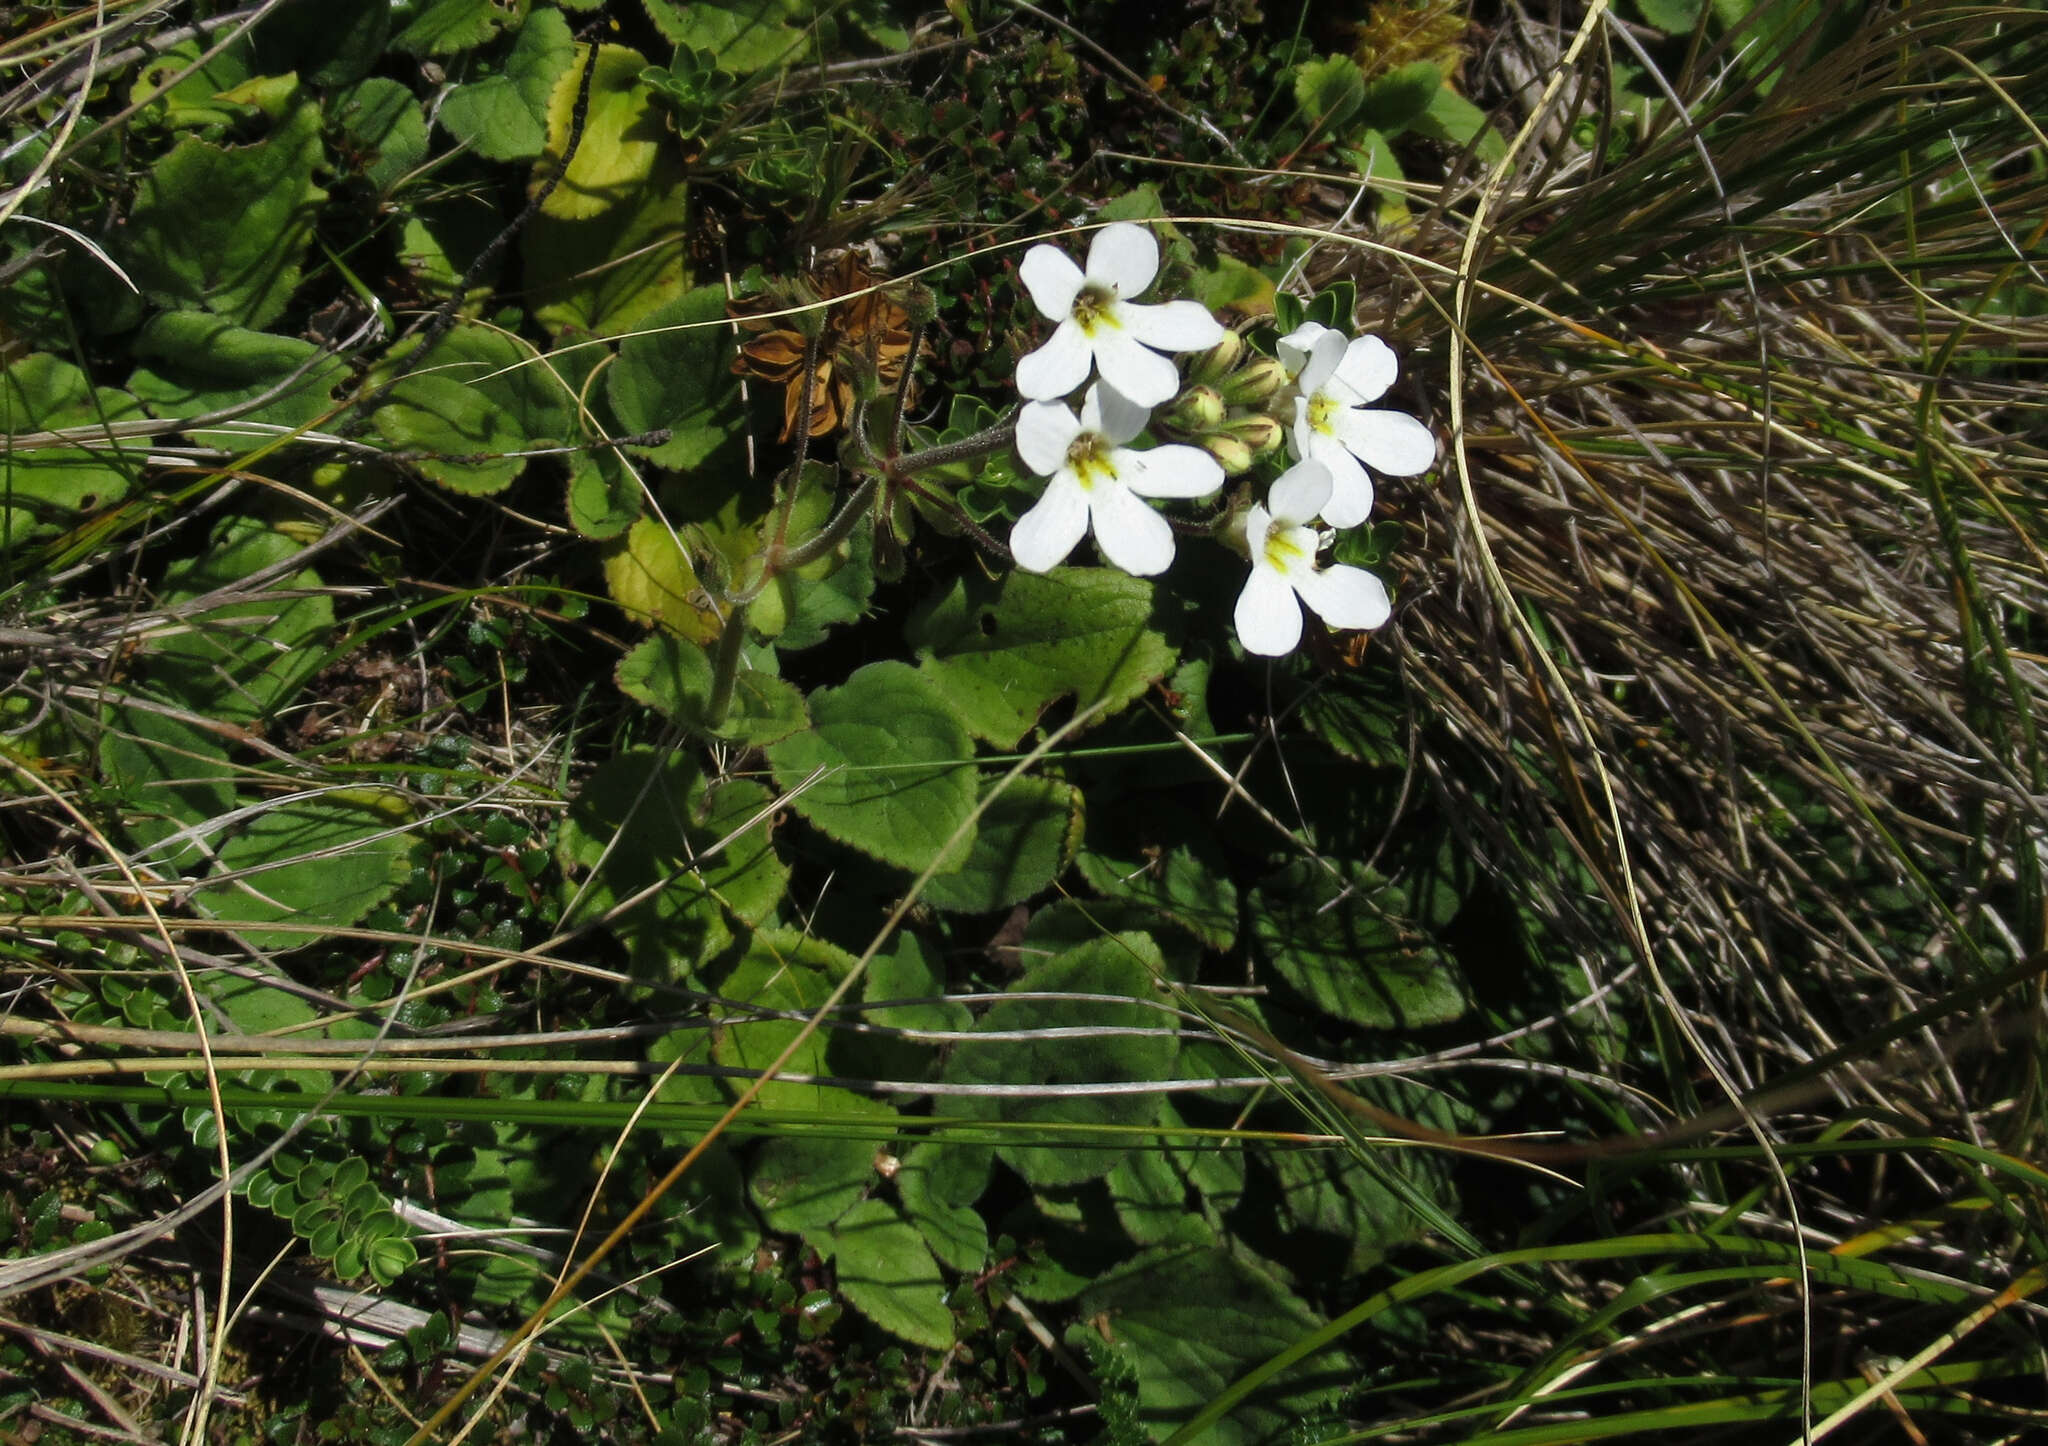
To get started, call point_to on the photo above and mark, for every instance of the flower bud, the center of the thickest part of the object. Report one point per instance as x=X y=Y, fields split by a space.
x=1257 y=433
x=918 y=303
x=1231 y=454
x=1198 y=409
x=1254 y=384
x=1213 y=365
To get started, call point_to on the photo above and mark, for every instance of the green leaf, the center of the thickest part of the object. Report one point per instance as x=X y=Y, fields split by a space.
x=480 y=393
x=606 y=274
x=938 y=1183
x=622 y=133
x=604 y=498
x=1673 y=17
x=326 y=45
x=237 y=661
x=1151 y=1200
x=504 y=117
x=1391 y=102
x=1024 y=841
x=1341 y=943
x=745 y=35
x=223 y=228
x=1190 y=1322
x=448 y=26
x=1457 y=122
x=801 y=1182
x=1183 y=885
x=791 y=973
x=1002 y=653
x=674 y=373
x=673 y=676
x=899 y=774
x=1125 y=965
x=382 y=128
x=205 y=363
x=50 y=488
x=651 y=579
x=326 y=860
x=644 y=819
x=391 y=1258
x=888 y=1275
x=1328 y=90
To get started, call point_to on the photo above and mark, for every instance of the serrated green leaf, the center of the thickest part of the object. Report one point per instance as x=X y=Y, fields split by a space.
x=453 y=432
x=1120 y=965
x=1024 y=840
x=1190 y=1322
x=644 y=819
x=606 y=274
x=223 y=228
x=1353 y=956
x=803 y=1182
x=504 y=117
x=898 y=778
x=1150 y=1199
x=326 y=45
x=673 y=373
x=1179 y=882
x=888 y=1275
x=326 y=860
x=448 y=26
x=603 y=499
x=1328 y=90
x=622 y=132
x=673 y=676
x=938 y=1183
x=1391 y=102
x=1002 y=653
x=652 y=580
x=204 y=363
x=745 y=35
x=383 y=129
x=1457 y=122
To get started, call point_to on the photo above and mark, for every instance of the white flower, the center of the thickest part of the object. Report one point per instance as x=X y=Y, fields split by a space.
x=1099 y=325
x=1335 y=423
x=1097 y=482
x=1285 y=575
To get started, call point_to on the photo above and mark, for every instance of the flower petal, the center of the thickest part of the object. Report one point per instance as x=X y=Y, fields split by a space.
x=1140 y=374
x=1295 y=347
x=1059 y=366
x=1345 y=597
x=1300 y=492
x=1268 y=617
x=1053 y=280
x=1129 y=534
x=1171 y=325
x=1390 y=442
x=1324 y=357
x=1367 y=370
x=1110 y=412
x=1045 y=535
x=1123 y=256
x=1044 y=432
x=1350 y=487
x=1175 y=471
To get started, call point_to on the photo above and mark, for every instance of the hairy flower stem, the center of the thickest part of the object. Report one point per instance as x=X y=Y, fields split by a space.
x=725 y=665
x=981 y=444
x=903 y=391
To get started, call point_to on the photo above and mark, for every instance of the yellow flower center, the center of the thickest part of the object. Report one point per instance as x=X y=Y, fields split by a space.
x=1319 y=408
x=1283 y=547
x=1088 y=460
x=1092 y=308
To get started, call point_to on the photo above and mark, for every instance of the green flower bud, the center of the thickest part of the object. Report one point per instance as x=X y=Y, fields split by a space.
x=1230 y=453
x=1257 y=432
x=1211 y=366
x=1254 y=384
x=1198 y=409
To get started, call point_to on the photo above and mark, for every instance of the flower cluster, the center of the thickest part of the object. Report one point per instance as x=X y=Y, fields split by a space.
x=1317 y=395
